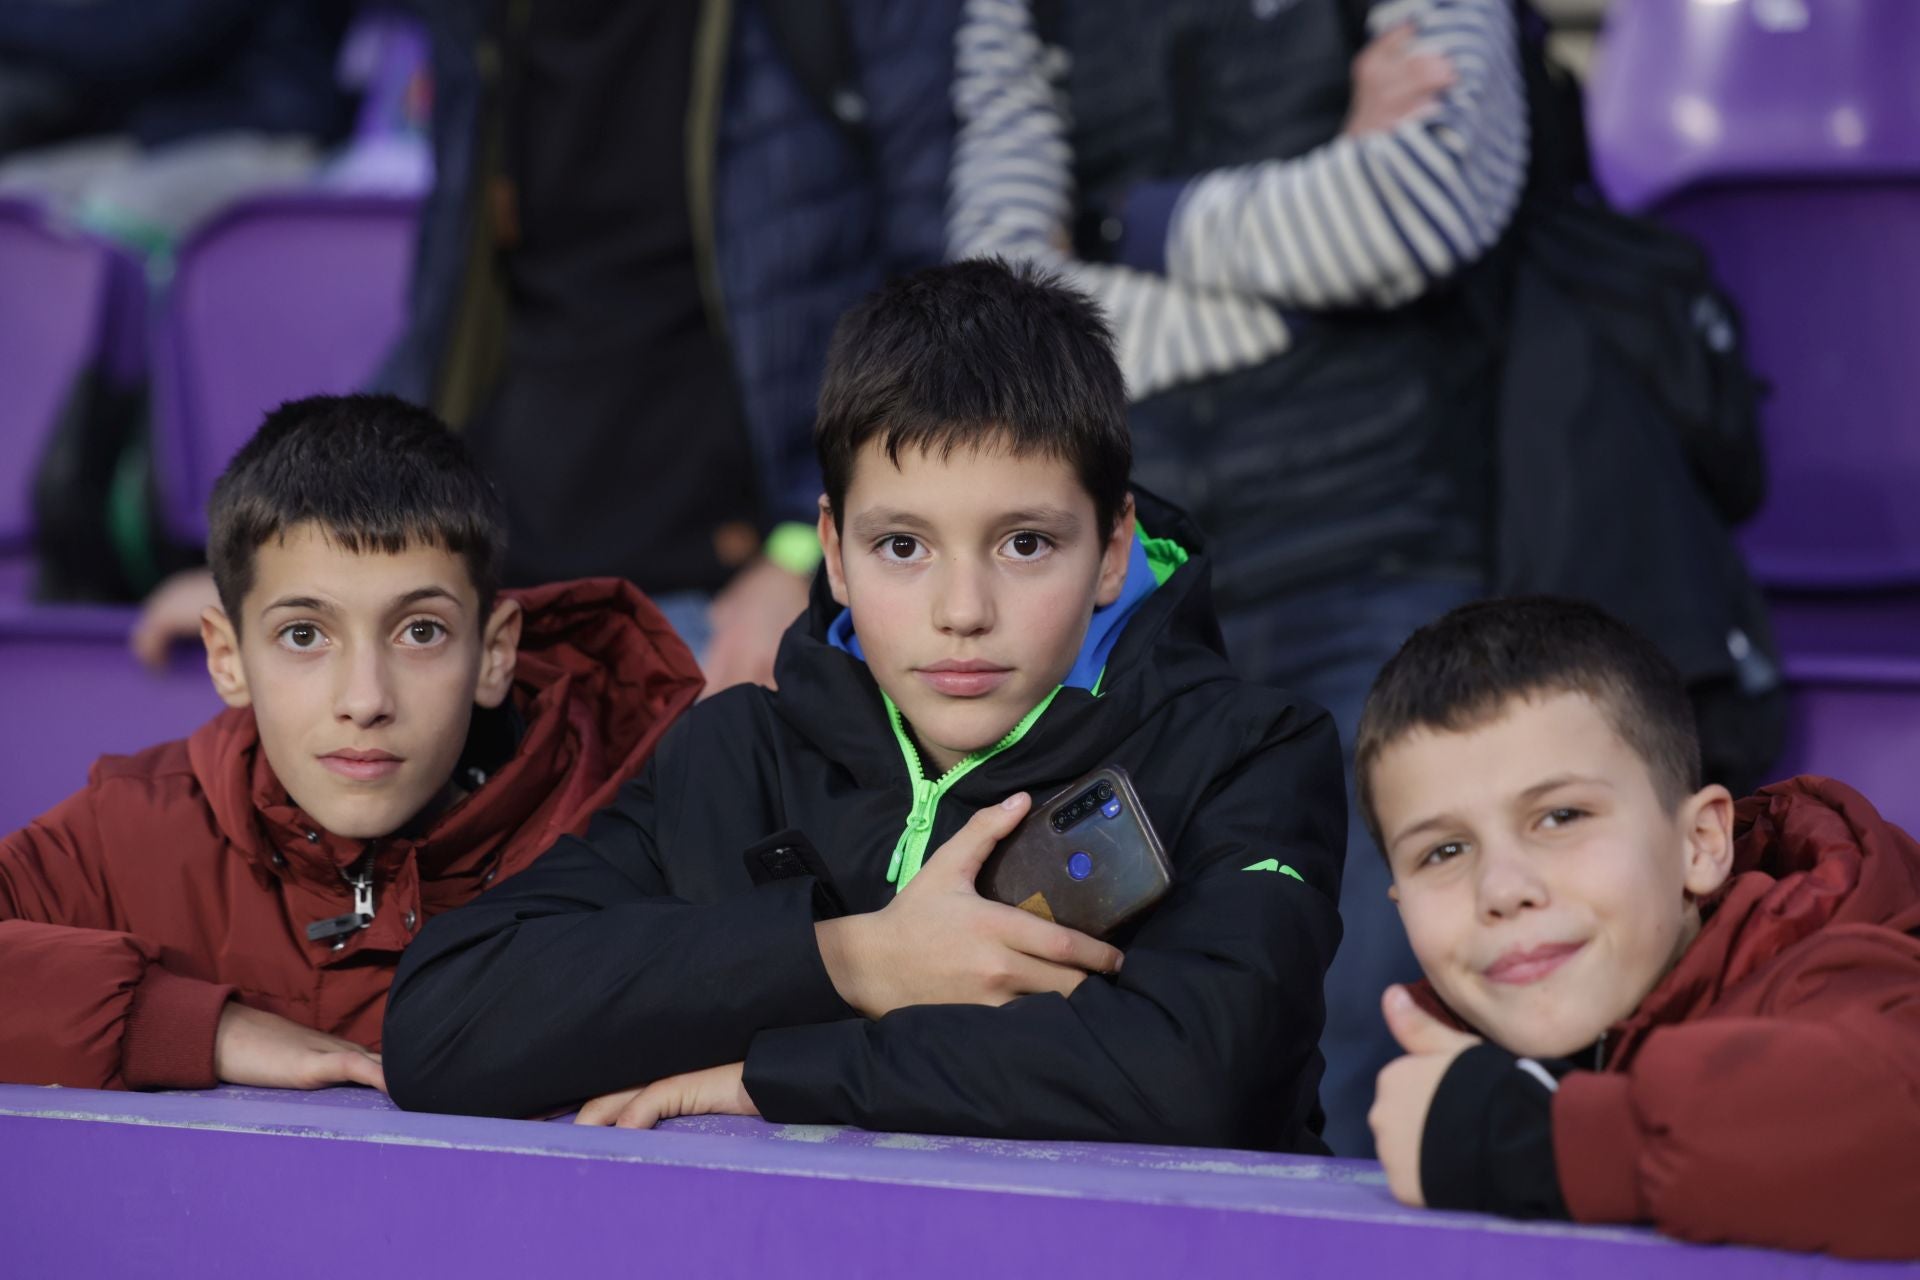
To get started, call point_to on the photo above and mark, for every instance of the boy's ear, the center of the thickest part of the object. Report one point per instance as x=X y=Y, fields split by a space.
x=499 y=651
x=223 y=657
x=1706 y=820
x=1113 y=559
x=830 y=553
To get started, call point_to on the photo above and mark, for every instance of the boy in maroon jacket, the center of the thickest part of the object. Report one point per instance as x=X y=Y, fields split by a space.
x=1644 y=1003
x=399 y=736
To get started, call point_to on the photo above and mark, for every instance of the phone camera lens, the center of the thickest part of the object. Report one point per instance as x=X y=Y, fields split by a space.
x=1103 y=792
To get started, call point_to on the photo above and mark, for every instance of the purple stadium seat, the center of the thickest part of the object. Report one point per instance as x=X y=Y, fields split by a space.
x=1785 y=135
x=69 y=303
x=73 y=693
x=1853 y=663
x=1858 y=720
x=279 y=297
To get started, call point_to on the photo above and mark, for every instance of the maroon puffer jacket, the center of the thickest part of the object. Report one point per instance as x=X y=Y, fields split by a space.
x=184 y=876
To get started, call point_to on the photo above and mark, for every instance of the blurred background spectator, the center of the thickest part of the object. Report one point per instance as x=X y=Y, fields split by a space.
x=647 y=220
x=142 y=117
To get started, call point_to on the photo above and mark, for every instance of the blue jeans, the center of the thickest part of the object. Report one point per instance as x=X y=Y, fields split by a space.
x=686 y=612
x=1327 y=643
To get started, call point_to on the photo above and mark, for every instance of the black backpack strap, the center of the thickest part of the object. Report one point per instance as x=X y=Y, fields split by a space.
x=814 y=39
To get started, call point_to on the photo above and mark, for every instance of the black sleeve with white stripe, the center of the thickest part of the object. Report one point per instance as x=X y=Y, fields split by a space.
x=1488 y=1140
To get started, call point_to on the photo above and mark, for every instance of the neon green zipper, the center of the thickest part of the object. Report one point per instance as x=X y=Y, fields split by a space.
x=911 y=849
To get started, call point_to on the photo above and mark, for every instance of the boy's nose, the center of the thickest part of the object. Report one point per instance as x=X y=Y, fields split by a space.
x=963 y=600
x=365 y=693
x=1506 y=882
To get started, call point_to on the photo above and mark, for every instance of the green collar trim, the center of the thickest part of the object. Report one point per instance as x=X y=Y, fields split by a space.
x=910 y=851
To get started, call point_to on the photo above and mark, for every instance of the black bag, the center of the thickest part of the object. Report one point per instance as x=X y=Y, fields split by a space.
x=1627 y=440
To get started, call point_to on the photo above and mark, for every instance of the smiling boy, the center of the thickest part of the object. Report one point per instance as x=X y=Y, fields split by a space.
x=400 y=735
x=998 y=615
x=1643 y=1002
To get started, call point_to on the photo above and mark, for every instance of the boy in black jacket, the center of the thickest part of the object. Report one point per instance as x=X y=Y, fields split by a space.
x=994 y=618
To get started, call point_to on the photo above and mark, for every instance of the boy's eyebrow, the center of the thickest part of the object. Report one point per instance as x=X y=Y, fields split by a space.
x=873 y=523
x=308 y=604
x=418 y=594
x=1436 y=822
x=1532 y=793
x=1054 y=517
x=1554 y=783
x=312 y=604
x=880 y=519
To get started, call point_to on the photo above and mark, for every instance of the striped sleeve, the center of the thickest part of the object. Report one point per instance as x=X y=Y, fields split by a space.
x=1376 y=219
x=1012 y=196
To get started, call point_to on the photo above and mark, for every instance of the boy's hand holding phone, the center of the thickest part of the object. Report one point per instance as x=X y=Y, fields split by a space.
x=1406 y=1087
x=940 y=942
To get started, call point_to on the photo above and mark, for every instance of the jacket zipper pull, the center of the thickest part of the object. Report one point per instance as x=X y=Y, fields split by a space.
x=338 y=928
x=911 y=848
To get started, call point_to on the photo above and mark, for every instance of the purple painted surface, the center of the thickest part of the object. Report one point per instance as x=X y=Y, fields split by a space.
x=72 y=693
x=54 y=295
x=245 y=1182
x=280 y=297
x=1690 y=94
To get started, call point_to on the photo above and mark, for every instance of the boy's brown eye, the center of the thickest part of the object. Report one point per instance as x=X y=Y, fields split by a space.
x=424 y=632
x=903 y=547
x=1026 y=544
x=302 y=636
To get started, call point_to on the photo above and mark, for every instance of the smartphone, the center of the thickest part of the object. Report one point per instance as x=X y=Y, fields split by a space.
x=1085 y=857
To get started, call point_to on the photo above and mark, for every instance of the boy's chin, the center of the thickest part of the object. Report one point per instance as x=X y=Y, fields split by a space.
x=1532 y=1040
x=360 y=817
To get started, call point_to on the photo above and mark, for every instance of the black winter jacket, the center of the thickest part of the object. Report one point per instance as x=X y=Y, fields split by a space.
x=642 y=950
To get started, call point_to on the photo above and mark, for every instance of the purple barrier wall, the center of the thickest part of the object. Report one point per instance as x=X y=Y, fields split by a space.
x=254 y=1182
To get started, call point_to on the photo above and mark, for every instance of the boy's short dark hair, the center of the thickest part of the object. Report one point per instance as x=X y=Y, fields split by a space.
x=1465 y=668
x=374 y=472
x=972 y=352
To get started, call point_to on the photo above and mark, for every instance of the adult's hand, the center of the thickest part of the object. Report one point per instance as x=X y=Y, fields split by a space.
x=172 y=612
x=1394 y=82
x=748 y=618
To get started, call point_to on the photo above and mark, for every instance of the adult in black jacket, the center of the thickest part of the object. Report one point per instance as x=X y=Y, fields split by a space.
x=643 y=952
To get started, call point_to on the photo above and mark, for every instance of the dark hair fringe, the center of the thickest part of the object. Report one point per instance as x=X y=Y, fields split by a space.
x=374 y=472
x=973 y=353
x=1464 y=669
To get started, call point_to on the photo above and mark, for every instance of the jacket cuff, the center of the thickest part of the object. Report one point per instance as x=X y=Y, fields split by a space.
x=800 y=1075
x=171 y=1026
x=1146 y=220
x=1596 y=1141
x=1487 y=1144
